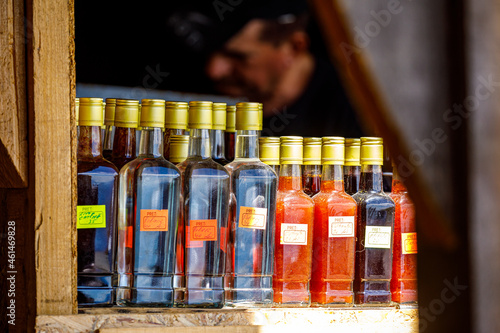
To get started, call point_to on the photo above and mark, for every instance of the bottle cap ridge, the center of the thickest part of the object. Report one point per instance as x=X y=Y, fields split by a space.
x=291 y=150
x=90 y=112
x=200 y=115
x=333 y=150
x=153 y=113
x=176 y=115
x=127 y=113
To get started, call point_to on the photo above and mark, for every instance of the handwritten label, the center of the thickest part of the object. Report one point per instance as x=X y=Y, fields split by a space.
x=409 y=242
x=203 y=230
x=189 y=243
x=378 y=237
x=91 y=217
x=293 y=234
x=154 y=219
x=340 y=226
x=253 y=218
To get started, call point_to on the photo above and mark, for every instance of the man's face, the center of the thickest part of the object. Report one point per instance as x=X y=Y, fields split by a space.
x=247 y=66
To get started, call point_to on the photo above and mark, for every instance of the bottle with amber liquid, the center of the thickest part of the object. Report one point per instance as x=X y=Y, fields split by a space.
x=269 y=150
x=176 y=119
x=126 y=121
x=294 y=230
x=148 y=216
x=206 y=199
x=375 y=224
x=250 y=263
x=334 y=232
x=230 y=133
x=97 y=183
x=404 y=262
x=352 y=166
x=311 y=170
x=217 y=140
x=109 y=130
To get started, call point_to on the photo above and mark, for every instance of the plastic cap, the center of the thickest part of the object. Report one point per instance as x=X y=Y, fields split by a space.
x=269 y=150
x=248 y=116
x=127 y=113
x=109 y=113
x=333 y=150
x=291 y=149
x=153 y=113
x=176 y=115
x=219 y=116
x=312 y=151
x=372 y=151
x=231 y=118
x=90 y=112
x=200 y=115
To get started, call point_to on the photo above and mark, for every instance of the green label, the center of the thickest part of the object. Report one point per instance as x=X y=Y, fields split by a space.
x=90 y=217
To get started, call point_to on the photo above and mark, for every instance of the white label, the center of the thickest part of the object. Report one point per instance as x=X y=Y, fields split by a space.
x=340 y=226
x=378 y=237
x=293 y=234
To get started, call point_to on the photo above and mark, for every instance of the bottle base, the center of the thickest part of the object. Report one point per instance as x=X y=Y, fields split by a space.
x=144 y=297
x=249 y=297
x=201 y=298
x=95 y=297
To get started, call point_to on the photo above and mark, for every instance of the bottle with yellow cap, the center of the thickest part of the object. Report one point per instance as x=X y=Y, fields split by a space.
x=206 y=198
x=217 y=133
x=352 y=165
x=97 y=183
x=148 y=216
x=374 y=229
x=77 y=116
x=269 y=151
x=179 y=145
x=230 y=133
x=109 y=127
x=334 y=232
x=249 y=269
x=294 y=230
x=126 y=119
x=176 y=120
x=311 y=170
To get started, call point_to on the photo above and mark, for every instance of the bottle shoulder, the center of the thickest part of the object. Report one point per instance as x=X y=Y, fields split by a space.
x=204 y=167
x=143 y=164
x=100 y=165
x=373 y=198
x=250 y=168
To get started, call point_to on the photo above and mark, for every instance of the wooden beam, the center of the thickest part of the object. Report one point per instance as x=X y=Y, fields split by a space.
x=52 y=165
x=13 y=122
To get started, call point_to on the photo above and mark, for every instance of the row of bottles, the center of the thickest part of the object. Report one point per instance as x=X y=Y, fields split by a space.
x=207 y=232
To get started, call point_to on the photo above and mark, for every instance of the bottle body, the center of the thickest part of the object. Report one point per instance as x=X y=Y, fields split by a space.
x=311 y=179
x=351 y=178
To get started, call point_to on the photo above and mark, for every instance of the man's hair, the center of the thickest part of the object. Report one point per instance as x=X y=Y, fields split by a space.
x=276 y=31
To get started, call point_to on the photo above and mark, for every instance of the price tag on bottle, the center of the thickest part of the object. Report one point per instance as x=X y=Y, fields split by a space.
x=409 y=242
x=378 y=237
x=252 y=218
x=293 y=234
x=203 y=230
x=154 y=219
x=340 y=226
x=91 y=217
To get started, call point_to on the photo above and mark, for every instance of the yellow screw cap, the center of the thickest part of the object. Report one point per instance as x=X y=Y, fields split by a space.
x=312 y=151
x=200 y=115
x=127 y=113
x=333 y=150
x=372 y=151
x=269 y=150
x=291 y=150
x=176 y=115
x=90 y=112
x=153 y=113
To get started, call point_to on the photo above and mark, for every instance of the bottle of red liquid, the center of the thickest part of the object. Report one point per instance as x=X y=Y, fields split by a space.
x=294 y=230
x=404 y=263
x=334 y=232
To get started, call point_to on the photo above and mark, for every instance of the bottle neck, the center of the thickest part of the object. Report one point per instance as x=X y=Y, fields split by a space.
x=371 y=178
x=108 y=138
x=199 y=143
x=247 y=145
x=398 y=185
x=217 y=144
x=124 y=143
x=290 y=177
x=151 y=142
x=332 y=178
x=89 y=142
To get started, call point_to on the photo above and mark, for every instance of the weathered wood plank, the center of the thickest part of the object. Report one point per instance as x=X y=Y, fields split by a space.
x=13 y=122
x=193 y=329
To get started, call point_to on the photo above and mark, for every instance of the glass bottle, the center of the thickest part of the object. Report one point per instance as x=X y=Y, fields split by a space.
x=179 y=145
x=249 y=268
x=311 y=170
x=269 y=150
x=148 y=217
x=404 y=263
x=206 y=198
x=109 y=130
x=138 y=132
x=176 y=119
x=77 y=116
x=103 y=127
x=352 y=166
x=374 y=224
x=230 y=133
x=126 y=121
x=334 y=232
x=217 y=133
x=294 y=230
x=97 y=183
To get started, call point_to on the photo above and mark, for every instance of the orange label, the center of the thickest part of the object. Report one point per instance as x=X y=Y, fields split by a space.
x=223 y=238
x=253 y=218
x=154 y=219
x=409 y=242
x=189 y=243
x=203 y=230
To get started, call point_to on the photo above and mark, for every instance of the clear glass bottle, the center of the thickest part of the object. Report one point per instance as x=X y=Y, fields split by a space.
x=269 y=150
x=97 y=183
x=217 y=133
x=352 y=166
x=206 y=199
x=294 y=230
x=179 y=148
x=404 y=263
x=374 y=229
x=334 y=232
x=148 y=217
x=176 y=119
x=126 y=121
x=109 y=130
x=311 y=170
x=230 y=133
x=249 y=268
